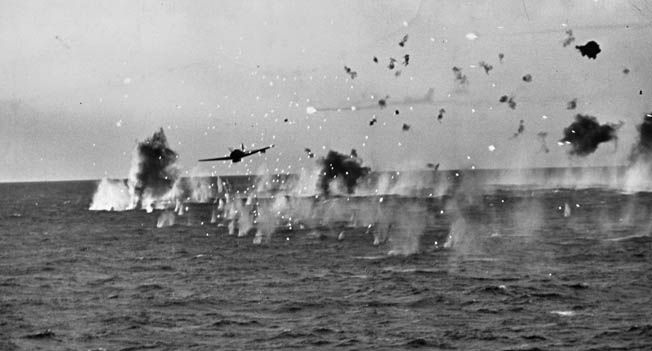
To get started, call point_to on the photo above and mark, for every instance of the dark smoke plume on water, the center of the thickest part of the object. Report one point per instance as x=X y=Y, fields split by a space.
x=585 y=134
x=346 y=168
x=152 y=179
x=156 y=172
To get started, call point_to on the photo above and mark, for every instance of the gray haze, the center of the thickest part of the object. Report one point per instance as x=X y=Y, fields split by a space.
x=81 y=82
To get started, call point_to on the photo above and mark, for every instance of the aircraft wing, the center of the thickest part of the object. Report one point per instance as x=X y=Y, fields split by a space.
x=216 y=159
x=261 y=150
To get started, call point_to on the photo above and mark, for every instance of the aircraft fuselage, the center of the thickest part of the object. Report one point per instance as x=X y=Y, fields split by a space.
x=236 y=155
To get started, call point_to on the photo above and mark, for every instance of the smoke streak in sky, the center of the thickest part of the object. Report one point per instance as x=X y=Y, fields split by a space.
x=427 y=99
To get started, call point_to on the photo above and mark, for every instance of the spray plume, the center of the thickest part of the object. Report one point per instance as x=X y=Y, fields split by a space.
x=111 y=195
x=642 y=150
x=640 y=167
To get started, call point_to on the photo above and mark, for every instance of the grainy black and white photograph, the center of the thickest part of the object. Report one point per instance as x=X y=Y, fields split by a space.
x=325 y=175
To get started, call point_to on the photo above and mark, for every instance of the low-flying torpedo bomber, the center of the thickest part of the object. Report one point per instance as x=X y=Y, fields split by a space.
x=236 y=155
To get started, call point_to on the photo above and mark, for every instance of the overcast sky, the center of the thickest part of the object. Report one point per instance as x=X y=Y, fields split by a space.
x=82 y=81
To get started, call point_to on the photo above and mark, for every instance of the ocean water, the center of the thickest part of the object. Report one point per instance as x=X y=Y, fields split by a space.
x=489 y=268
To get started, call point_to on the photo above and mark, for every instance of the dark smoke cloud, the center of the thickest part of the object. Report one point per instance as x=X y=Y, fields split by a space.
x=156 y=168
x=406 y=59
x=392 y=63
x=354 y=153
x=585 y=134
x=440 y=116
x=509 y=100
x=590 y=49
x=642 y=150
x=520 y=130
x=571 y=105
x=350 y=72
x=382 y=103
x=487 y=67
x=335 y=166
x=569 y=38
x=403 y=41
x=460 y=77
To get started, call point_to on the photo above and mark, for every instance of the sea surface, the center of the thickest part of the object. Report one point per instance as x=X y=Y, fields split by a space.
x=500 y=268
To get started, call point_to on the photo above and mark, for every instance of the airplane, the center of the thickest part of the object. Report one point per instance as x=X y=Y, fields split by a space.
x=237 y=154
